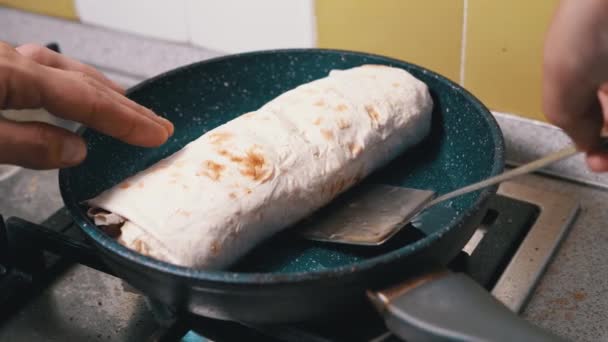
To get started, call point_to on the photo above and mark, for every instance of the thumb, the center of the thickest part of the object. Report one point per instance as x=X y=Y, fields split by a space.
x=39 y=146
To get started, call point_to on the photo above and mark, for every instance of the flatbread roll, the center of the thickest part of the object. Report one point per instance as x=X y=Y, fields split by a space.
x=211 y=202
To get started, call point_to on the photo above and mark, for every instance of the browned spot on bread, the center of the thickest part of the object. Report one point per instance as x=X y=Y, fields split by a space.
x=372 y=113
x=125 y=185
x=141 y=247
x=232 y=157
x=396 y=85
x=248 y=115
x=320 y=103
x=211 y=169
x=183 y=212
x=341 y=107
x=317 y=121
x=253 y=164
x=236 y=159
x=219 y=137
x=327 y=134
x=255 y=167
x=355 y=149
x=232 y=195
x=215 y=247
x=140 y=185
x=343 y=123
x=248 y=191
x=180 y=163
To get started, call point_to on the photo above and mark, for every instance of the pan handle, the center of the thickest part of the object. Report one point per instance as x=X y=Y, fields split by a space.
x=45 y=239
x=448 y=306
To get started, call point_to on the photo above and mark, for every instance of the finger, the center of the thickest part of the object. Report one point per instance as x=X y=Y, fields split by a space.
x=573 y=69
x=570 y=102
x=138 y=108
x=598 y=161
x=97 y=107
x=22 y=92
x=146 y=112
x=37 y=145
x=48 y=57
x=597 y=158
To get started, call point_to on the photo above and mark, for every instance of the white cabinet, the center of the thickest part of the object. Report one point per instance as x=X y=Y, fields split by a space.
x=163 y=19
x=244 y=25
x=229 y=26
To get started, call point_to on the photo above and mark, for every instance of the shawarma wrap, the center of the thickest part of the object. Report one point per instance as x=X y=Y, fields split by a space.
x=211 y=202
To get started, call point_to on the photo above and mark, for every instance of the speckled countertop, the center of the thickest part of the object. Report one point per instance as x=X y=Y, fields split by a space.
x=571 y=298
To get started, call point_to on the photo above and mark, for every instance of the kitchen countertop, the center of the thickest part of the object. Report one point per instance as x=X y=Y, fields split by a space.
x=571 y=298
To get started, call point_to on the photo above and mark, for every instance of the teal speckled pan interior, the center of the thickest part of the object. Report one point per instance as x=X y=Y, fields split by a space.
x=465 y=146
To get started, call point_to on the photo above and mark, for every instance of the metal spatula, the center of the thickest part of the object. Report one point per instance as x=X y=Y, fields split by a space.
x=371 y=214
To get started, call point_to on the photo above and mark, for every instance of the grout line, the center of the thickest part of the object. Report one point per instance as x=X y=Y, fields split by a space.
x=314 y=24
x=463 y=40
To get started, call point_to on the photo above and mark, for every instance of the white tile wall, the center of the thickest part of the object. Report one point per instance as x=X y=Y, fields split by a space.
x=244 y=25
x=230 y=26
x=163 y=19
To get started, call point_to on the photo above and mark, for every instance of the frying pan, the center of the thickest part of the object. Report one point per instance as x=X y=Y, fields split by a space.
x=287 y=279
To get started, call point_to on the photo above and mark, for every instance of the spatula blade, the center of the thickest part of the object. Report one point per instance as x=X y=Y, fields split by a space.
x=368 y=215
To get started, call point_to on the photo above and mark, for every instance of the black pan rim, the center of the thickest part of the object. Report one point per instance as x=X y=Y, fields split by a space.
x=238 y=278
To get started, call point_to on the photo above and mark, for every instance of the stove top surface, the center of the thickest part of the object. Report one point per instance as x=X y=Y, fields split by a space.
x=45 y=297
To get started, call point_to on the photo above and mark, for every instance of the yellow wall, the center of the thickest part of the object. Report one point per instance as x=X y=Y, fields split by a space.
x=58 y=8
x=503 y=43
x=425 y=32
x=504 y=53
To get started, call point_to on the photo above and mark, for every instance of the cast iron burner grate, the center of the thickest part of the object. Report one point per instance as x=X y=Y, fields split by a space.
x=30 y=258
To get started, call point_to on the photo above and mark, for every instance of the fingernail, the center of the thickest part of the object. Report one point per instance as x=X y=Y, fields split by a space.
x=72 y=151
x=161 y=120
x=170 y=128
x=168 y=125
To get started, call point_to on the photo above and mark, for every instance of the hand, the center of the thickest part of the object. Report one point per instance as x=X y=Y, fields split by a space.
x=33 y=77
x=575 y=88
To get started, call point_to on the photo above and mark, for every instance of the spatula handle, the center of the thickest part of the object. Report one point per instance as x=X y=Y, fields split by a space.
x=524 y=169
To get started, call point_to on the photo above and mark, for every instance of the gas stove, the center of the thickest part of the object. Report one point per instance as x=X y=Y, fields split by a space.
x=52 y=293
x=49 y=292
